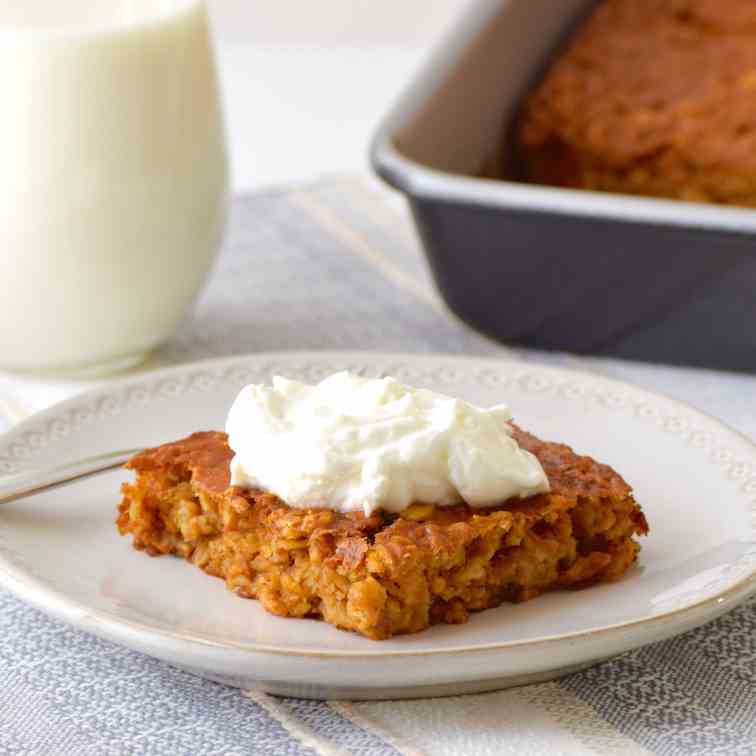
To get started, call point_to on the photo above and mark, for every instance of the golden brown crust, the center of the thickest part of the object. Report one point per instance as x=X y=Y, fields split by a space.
x=382 y=575
x=652 y=97
x=206 y=455
x=571 y=474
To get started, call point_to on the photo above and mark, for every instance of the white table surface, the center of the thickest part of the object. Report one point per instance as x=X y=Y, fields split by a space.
x=306 y=83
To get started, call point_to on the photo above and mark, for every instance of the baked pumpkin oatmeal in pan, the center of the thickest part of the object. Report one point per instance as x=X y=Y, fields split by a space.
x=650 y=97
x=382 y=574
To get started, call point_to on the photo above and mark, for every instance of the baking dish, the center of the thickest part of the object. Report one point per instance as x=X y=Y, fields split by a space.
x=551 y=268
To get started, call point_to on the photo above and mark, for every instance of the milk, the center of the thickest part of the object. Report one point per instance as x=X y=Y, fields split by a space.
x=113 y=180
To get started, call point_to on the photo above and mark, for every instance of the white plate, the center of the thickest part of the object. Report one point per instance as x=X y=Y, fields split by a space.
x=695 y=478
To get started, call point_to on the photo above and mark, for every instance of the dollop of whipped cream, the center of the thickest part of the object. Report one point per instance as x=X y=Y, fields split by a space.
x=359 y=444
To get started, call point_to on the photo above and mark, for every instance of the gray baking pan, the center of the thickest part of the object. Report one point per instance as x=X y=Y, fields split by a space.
x=552 y=268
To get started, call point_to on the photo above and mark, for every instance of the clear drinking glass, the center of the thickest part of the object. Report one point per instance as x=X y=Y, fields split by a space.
x=114 y=185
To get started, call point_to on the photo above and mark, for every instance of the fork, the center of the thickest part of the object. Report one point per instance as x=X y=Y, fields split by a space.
x=31 y=482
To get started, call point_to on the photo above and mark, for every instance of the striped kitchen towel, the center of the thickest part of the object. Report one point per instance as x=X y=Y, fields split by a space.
x=343 y=250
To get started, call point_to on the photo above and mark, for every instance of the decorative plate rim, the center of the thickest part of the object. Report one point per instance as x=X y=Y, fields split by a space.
x=21 y=441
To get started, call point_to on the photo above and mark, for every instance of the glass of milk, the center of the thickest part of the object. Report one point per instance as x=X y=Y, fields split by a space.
x=113 y=178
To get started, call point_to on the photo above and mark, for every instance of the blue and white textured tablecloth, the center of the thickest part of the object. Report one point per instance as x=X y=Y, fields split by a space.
x=340 y=251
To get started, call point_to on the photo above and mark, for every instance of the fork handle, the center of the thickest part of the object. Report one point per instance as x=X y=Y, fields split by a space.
x=21 y=485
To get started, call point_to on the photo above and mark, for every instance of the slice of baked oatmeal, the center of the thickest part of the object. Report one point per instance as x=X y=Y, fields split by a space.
x=385 y=574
